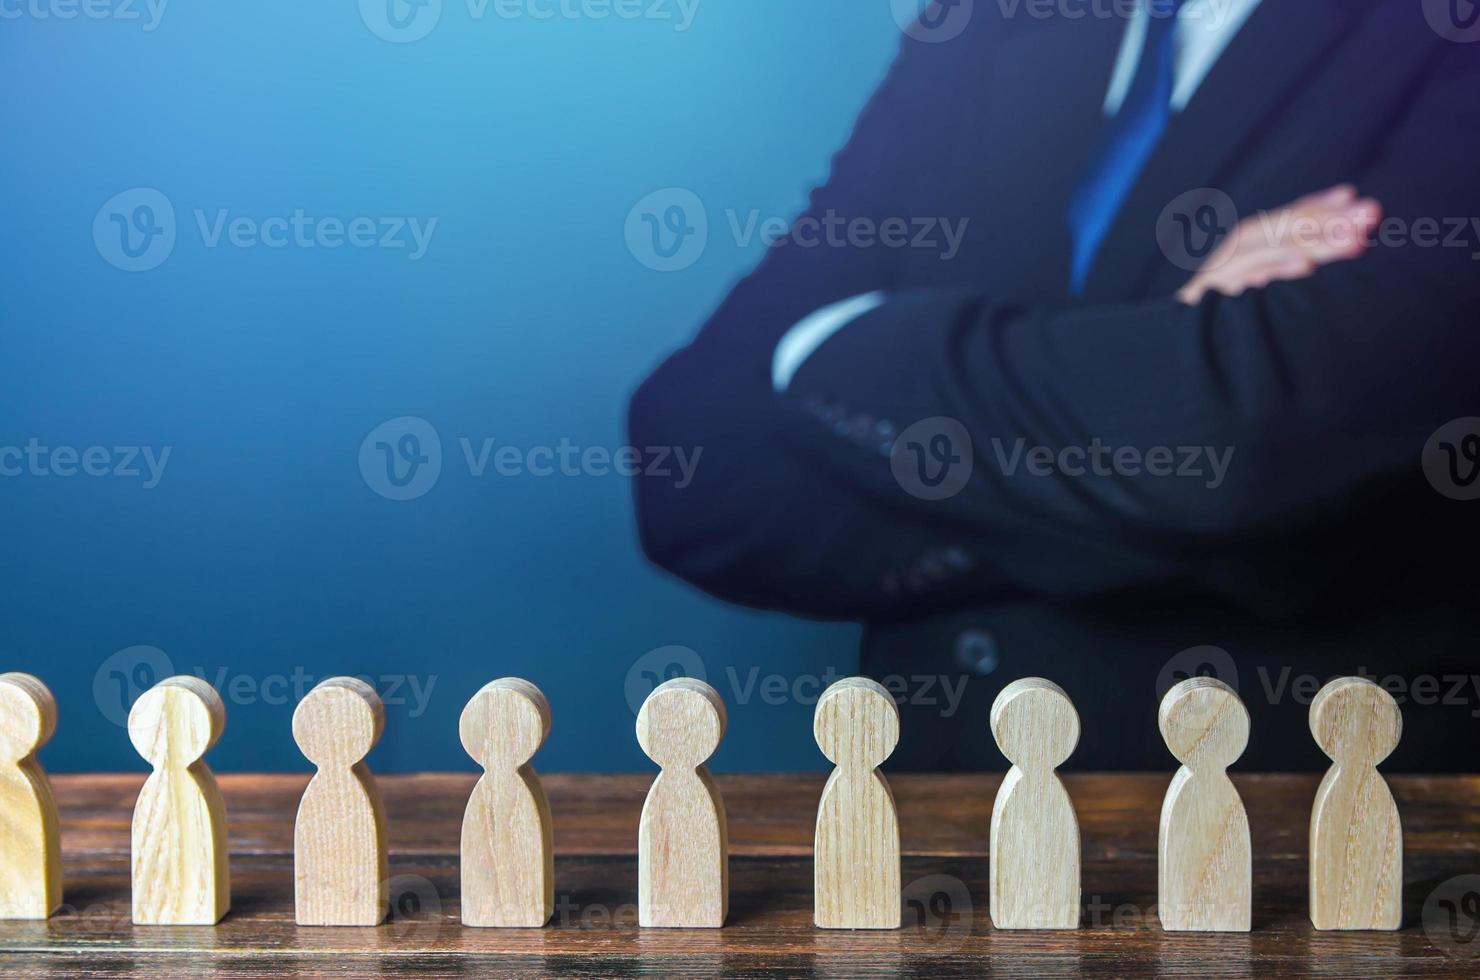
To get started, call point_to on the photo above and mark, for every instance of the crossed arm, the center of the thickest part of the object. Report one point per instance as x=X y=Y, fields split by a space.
x=1324 y=375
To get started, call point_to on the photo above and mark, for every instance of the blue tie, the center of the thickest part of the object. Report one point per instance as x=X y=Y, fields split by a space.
x=1127 y=143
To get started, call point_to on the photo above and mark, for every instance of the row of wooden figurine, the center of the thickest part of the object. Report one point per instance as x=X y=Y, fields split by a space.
x=179 y=836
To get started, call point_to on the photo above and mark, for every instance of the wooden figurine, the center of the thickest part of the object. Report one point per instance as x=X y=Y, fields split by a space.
x=30 y=837
x=508 y=859
x=856 y=877
x=340 y=869
x=682 y=848
x=1204 y=861
x=1034 y=880
x=1356 y=838
x=181 y=869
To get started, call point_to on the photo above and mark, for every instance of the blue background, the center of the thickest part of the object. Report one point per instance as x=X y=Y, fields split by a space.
x=264 y=552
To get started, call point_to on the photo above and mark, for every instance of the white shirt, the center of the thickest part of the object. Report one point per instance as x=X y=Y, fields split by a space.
x=1204 y=30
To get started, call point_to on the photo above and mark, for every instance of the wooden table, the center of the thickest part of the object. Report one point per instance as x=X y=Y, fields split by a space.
x=944 y=823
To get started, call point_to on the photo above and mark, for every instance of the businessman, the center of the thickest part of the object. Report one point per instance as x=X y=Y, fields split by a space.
x=1169 y=408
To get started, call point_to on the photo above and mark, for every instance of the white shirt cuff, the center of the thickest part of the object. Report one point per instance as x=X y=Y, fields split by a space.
x=802 y=340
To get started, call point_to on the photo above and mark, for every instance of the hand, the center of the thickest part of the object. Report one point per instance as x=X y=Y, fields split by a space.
x=1288 y=243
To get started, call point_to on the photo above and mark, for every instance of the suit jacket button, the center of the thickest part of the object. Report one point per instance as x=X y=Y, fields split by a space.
x=976 y=651
x=884 y=433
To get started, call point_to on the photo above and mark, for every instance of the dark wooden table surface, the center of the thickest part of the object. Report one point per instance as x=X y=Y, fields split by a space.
x=944 y=823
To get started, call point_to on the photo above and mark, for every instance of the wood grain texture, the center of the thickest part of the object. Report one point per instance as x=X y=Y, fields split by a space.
x=1035 y=832
x=30 y=835
x=856 y=882
x=683 y=865
x=1356 y=837
x=943 y=837
x=181 y=871
x=340 y=872
x=1205 y=865
x=508 y=854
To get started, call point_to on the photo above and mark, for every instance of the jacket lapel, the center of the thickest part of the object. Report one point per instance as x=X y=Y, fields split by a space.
x=1282 y=44
x=1043 y=100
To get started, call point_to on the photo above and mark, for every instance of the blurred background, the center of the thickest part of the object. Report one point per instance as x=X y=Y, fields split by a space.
x=317 y=324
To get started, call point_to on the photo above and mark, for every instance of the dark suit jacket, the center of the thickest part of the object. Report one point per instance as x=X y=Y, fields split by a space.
x=1324 y=551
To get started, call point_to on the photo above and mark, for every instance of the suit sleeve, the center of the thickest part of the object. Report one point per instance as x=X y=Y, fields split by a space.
x=1318 y=388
